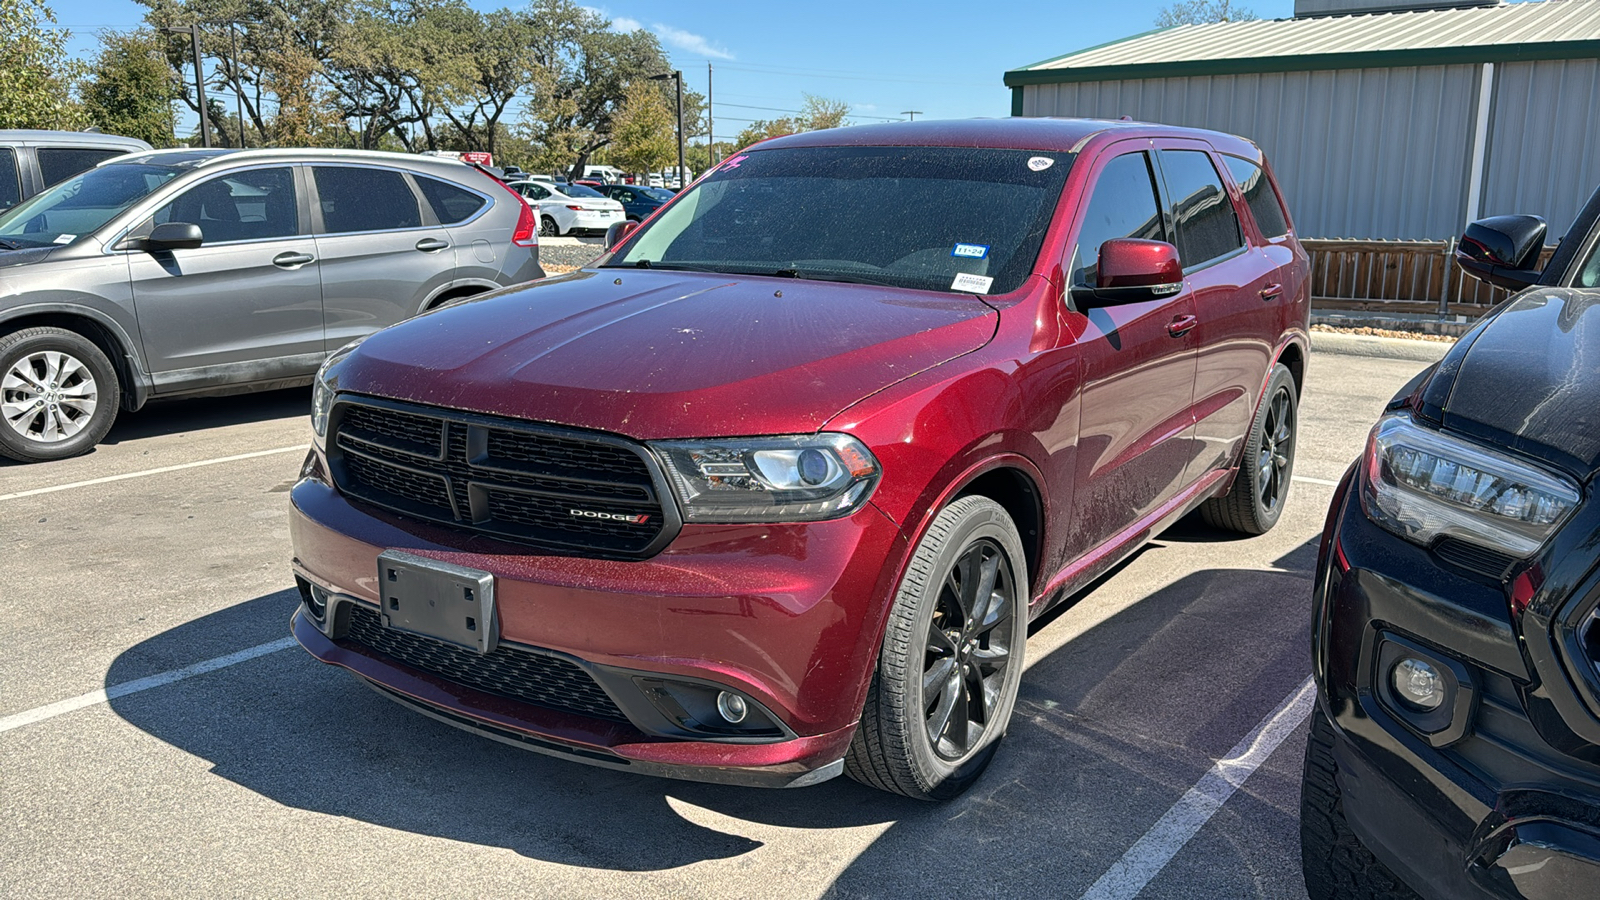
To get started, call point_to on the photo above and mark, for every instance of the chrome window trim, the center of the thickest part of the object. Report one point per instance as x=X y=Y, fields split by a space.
x=317 y=210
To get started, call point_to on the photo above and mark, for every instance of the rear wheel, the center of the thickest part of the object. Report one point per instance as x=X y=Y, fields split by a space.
x=1254 y=503
x=58 y=394
x=951 y=660
x=1335 y=863
x=548 y=227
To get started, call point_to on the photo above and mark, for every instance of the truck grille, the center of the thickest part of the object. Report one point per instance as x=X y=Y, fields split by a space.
x=562 y=490
x=519 y=673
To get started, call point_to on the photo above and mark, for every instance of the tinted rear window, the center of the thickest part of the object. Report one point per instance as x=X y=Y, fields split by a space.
x=450 y=204
x=580 y=190
x=1259 y=195
x=361 y=199
x=914 y=217
x=10 y=184
x=1208 y=227
x=57 y=164
x=1589 y=276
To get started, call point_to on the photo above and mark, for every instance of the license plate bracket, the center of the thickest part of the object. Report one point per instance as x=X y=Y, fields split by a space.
x=438 y=600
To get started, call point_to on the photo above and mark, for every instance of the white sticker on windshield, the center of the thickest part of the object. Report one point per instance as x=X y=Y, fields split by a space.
x=966 y=281
x=971 y=251
x=65 y=239
x=1040 y=163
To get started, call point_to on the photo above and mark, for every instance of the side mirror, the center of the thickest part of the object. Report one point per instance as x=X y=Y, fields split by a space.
x=1503 y=250
x=1132 y=270
x=618 y=232
x=174 y=236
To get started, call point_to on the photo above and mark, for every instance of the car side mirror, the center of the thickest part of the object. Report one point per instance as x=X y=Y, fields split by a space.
x=174 y=236
x=1503 y=250
x=618 y=232
x=1132 y=270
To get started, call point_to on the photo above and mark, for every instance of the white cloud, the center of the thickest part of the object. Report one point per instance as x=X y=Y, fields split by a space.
x=623 y=23
x=689 y=42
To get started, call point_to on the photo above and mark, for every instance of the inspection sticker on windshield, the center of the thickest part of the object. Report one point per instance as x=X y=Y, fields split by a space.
x=1040 y=163
x=966 y=281
x=971 y=251
x=65 y=239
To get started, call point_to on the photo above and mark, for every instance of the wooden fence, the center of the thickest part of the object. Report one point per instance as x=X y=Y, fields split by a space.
x=1398 y=277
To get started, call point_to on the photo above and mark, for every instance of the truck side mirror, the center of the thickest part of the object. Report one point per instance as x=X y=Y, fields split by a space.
x=1503 y=250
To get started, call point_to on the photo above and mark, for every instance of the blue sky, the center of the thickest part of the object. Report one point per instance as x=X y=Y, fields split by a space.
x=945 y=58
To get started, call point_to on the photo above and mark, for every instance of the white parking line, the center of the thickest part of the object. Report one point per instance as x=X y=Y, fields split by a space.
x=126 y=475
x=1306 y=478
x=62 y=707
x=1151 y=853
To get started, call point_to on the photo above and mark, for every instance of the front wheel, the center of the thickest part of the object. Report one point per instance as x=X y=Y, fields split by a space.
x=58 y=394
x=1255 y=502
x=951 y=661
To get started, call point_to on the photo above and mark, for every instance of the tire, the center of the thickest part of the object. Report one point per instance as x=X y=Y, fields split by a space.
x=40 y=366
x=1335 y=863
x=548 y=227
x=894 y=748
x=1252 y=505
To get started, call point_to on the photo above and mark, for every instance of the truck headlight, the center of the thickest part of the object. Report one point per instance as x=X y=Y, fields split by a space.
x=803 y=478
x=325 y=386
x=1423 y=484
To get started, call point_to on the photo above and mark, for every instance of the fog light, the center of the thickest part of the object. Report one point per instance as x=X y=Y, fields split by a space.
x=1418 y=683
x=731 y=707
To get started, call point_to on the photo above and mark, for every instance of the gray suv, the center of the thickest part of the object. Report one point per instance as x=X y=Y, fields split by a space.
x=180 y=273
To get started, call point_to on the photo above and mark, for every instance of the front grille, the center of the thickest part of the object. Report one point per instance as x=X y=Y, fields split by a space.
x=520 y=673
x=516 y=480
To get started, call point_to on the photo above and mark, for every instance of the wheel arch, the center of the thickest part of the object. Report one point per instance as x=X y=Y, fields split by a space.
x=457 y=290
x=101 y=330
x=1008 y=479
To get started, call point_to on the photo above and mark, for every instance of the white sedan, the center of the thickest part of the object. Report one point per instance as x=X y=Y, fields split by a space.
x=570 y=209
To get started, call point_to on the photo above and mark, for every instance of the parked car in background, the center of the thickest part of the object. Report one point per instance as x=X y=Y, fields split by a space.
x=638 y=203
x=1455 y=744
x=772 y=492
x=570 y=209
x=31 y=161
x=178 y=273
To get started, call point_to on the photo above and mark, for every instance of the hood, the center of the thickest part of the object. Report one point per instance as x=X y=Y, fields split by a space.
x=1528 y=378
x=24 y=256
x=655 y=354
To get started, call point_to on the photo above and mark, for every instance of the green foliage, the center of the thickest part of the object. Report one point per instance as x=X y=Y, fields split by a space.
x=129 y=89
x=36 y=73
x=1202 y=12
x=816 y=113
x=642 y=134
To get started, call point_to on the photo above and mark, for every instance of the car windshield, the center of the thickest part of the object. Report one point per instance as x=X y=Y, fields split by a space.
x=1589 y=275
x=80 y=205
x=578 y=190
x=655 y=193
x=931 y=218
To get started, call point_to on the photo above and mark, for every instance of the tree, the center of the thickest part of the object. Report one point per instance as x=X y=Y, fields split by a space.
x=815 y=114
x=36 y=73
x=642 y=138
x=129 y=89
x=1202 y=12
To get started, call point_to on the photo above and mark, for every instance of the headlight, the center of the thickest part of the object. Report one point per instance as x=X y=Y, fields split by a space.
x=775 y=479
x=324 y=387
x=1423 y=485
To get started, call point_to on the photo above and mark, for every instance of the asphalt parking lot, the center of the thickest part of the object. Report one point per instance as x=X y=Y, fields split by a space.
x=128 y=770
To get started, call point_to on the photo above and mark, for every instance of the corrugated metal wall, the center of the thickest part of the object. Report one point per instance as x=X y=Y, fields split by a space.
x=1544 y=140
x=1360 y=153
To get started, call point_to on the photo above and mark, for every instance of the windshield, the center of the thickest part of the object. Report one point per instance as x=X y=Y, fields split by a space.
x=80 y=205
x=931 y=218
x=1589 y=275
x=655 y=193
x=579 y=190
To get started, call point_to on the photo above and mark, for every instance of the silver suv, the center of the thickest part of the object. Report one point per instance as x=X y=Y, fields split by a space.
x=181 y=273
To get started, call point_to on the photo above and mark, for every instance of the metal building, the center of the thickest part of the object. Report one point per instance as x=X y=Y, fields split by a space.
x=1381 y=119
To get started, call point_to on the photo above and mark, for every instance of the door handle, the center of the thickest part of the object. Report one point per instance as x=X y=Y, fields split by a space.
x=429 y=245
x=1271 y=292
x=1180 y=325
x=292 y=260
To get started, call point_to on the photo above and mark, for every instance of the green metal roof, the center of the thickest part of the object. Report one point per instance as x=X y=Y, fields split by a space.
x=1552 y=29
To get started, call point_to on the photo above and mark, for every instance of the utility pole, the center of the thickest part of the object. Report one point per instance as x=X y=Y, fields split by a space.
x=913 y=113
x=193 y=31
x=677 y=76
x=711 y=121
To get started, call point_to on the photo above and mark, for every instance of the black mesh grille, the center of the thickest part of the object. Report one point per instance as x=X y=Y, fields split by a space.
x=515 y=672
x=1474 y=558
x=563 y=493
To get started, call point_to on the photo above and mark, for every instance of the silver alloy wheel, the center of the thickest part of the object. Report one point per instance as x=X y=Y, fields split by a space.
x=48 y=396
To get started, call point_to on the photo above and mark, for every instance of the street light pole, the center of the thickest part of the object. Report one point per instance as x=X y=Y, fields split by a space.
x=677 y=75
x=238 y=83
x=193 y=31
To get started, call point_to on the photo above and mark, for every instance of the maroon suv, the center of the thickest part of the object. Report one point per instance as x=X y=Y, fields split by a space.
x=772 y=490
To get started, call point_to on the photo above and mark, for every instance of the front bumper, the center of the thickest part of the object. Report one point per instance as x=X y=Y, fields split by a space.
x=787 y=616
x=1472 y=805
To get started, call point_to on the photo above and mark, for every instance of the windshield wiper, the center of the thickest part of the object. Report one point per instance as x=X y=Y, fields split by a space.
x=9 y=244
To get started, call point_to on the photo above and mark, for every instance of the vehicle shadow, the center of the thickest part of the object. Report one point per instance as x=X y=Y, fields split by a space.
x=1112 y=726
x=176 y=416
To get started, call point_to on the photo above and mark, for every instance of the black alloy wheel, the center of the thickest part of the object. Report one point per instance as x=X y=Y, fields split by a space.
x=1277 y=449
x=1261 y=488
x=969 y=647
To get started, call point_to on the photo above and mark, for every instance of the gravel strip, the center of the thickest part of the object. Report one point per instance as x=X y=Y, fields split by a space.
x=557 y=258
x=1388 y=333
